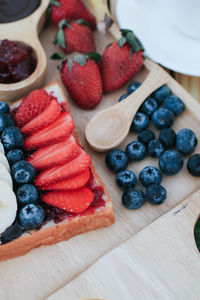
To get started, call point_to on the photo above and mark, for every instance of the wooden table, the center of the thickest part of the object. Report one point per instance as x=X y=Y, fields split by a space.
x=191 y=84
x=120 y=259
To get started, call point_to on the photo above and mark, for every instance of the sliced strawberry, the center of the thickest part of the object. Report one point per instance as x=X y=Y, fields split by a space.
x=73 y=183
x=71 y=201
x=56 y=132
x=31 y=106
x=55 y=155
x=73 y=168
x=47 y=117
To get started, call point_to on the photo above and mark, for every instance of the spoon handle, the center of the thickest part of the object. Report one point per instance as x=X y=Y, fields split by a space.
x=155 y=79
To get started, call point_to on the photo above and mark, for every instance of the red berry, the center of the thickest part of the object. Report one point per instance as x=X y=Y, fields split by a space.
x=31 y=106
x=55 y=155
x=71 y=201
x=73 y=10
x=73 y=183
x=83 y=82
x=47 y=117
x=73 y=168
x=116 y=66
x=56 y=132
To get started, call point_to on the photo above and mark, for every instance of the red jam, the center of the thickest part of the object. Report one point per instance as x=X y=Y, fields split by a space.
x=16 y=61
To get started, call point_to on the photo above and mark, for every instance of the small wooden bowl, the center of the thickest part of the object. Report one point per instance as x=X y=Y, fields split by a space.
x=26 y=31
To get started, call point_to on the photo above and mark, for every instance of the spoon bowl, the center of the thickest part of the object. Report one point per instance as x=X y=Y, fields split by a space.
x=108 y=128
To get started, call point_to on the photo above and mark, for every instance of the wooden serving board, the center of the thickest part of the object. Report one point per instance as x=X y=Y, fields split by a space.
x=45 y=270
x=159 y=262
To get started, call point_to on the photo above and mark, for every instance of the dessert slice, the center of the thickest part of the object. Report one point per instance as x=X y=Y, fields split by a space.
x=72 y=195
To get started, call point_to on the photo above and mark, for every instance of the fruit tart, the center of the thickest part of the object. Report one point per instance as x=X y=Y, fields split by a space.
x=55 y=190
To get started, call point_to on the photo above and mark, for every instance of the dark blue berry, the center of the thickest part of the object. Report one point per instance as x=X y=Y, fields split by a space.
x=160 y=94
x=140 y=122
x=146 y=136
x=23 y=172
x=5 y=121
x=186 y=141
x=136 y=151
x=12 y=138
x=174 y=104
x=150 y=175
x=155 y=194
x=193 y=165
x=171 y=162
x=4 y=108
x=27 y=193
x=163 y=118
x=149 y=106
x=126 y=179
x=116 y=160
x=14 y=155
x=12 y=232
x=123 y=97
x=133 y=86
x=133 y=198
x=155 y=148
x=31 y=216
x=168 y=138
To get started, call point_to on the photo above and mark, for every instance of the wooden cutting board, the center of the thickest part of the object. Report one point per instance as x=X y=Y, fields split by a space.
x=160 y=262
x=43 y=271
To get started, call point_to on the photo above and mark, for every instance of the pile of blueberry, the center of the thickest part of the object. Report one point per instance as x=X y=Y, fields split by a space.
x=161 y=107
x=30 y=214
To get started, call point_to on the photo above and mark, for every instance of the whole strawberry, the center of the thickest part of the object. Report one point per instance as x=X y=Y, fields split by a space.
x=121 y=60
x=82 y=78
x=71 y=9
x=75 y=36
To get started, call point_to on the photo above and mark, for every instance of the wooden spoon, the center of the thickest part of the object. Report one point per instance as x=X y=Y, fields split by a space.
x=108 y=128
x=26 y=31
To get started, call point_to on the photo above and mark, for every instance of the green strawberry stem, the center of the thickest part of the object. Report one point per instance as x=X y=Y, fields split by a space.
x=129 y=37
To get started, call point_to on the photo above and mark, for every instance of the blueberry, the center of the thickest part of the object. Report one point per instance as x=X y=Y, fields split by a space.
x=31 y=216
x=23 y=172
x=150 y=175
x=155 y=148
x=140 y=122
x=5 y=121
x=163 y=118
x=4 y=108
x=146 y=136
x=149 y=106
x=174 y=104
x=168 y=138
x=123 y=97
x=160 y=94
x=27 y=193
x=136 y=151
x=155 y=194
x=12 y=232
x=186 y=141
x=126 y=179
x=12 y=138
x=116 y=160
x=133 y=86
x=193 y=165
x=133 y=198
x=15 y=155
x=171 y=162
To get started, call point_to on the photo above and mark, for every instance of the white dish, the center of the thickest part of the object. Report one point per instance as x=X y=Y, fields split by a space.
x=160 y=29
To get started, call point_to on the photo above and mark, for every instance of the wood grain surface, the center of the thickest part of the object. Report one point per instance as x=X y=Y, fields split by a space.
x=44 y=270
x=160 y=262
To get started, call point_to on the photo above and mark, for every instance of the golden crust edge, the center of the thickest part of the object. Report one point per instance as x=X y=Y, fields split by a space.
x=64 y=230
